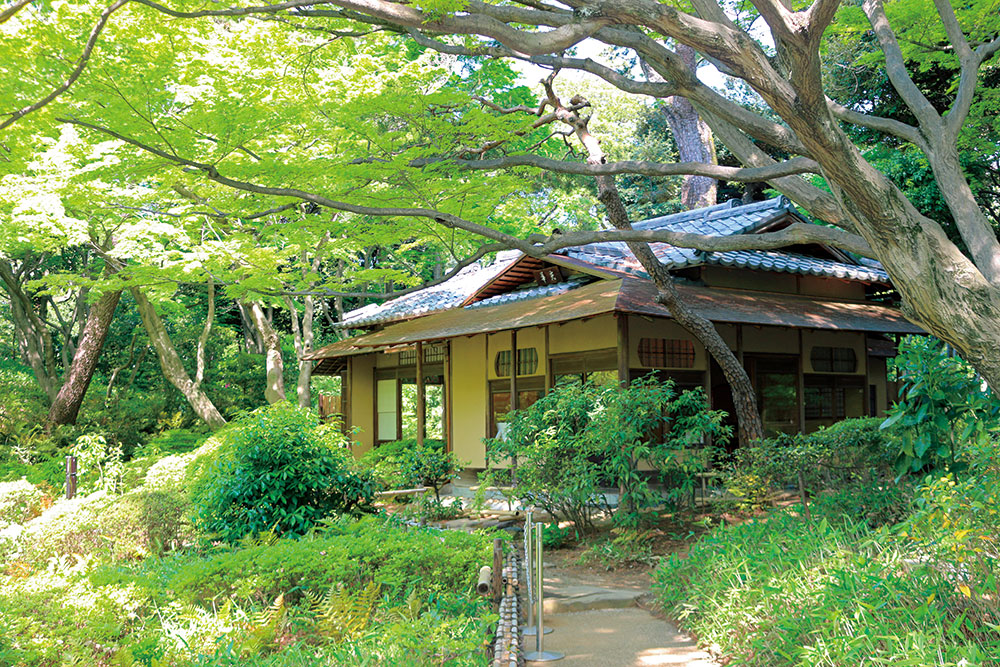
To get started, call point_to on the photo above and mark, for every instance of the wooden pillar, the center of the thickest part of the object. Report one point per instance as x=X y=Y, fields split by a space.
x=421 y=413
x=623 y=350
x=513 y=397
x=739 y=344
x=547 y=368
x=866 y=395
x=347 y=404
x=448 y=434
x=802 y=385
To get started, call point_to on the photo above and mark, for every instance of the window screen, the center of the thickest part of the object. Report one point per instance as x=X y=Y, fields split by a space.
x=666 y=353
x=833 y=359
x=527 y=362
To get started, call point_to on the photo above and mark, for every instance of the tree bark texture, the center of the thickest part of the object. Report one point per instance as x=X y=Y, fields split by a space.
x=694 y=140
x=744 y=397
x=66 y=406
x=171 y=364
x=274 y=363
x=34 y=340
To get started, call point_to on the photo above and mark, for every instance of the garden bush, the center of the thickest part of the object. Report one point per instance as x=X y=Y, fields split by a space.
x=783 y=591
x=280 y=470
x=582 y=436
x=21 y=501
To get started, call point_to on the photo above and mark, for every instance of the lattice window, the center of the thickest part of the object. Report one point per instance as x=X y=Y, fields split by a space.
x=833 y=359
x=527 y=362
x=434 y=354
x=666 y=353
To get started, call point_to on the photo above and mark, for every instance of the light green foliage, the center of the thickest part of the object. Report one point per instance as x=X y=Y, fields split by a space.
x=628 y=548
x=855 y=453
x=280 y=470
x=20 y=501
x=341 y=614
x=944 y=406
x=781 y=591
x=433 y=509
x=99 y=465
x=582 y=436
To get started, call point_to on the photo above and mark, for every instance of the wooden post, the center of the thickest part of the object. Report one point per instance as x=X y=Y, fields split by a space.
x=623 y=350
x=448 y=433
x=548 y=366
x=513 y=397
x=421 y=416
x=346 y=403
x=70 y=477
x=866 y=387
x=739 y=344
x=802 y=385
x=497 y=571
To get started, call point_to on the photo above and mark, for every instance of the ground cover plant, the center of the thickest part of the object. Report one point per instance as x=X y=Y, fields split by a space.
x=121 y=576
x=895 y=564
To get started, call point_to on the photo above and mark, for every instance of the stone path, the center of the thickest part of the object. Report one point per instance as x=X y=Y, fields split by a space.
x=598 y=626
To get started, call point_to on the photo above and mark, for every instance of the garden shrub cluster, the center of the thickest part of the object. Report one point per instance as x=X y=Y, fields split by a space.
x=120 y=575
x=899 y=564
x=281 y=470
x=405 y=464
x=581 y=437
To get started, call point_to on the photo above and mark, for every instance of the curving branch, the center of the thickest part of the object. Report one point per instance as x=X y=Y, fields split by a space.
x=895 y=66
x=890 y=126
x=794 y=166
x=795 y=234
x=81 y=64
x=10 y=11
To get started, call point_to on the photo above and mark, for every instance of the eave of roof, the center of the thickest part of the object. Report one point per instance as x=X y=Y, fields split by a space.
x=633 y=296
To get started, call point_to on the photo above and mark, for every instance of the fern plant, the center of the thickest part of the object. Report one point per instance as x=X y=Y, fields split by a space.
x=341 y=614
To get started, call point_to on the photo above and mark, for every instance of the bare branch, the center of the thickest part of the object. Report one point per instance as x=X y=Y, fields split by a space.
x=799 y=165
x=889 y=126
x=81 y=64
x=795 y=234
x=895 y=67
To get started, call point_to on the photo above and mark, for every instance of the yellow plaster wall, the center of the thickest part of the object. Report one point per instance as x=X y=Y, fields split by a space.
x=363 y=400
x=876 y=377
x=641 y=327
x=770 y=340
x=597 y=333
x=468 y=398
x=852 y=339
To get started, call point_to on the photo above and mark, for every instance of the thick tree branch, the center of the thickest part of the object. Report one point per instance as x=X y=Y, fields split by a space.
x=895 y=67
x=799 y=165
x=889 y=126
x=9 y=11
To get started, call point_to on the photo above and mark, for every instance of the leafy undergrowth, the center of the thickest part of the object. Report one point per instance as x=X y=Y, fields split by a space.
x=785 y=591
x=123 y=579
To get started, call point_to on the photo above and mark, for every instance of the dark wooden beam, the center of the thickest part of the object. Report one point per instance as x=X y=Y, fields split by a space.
x=623 y=349
x=421 y=416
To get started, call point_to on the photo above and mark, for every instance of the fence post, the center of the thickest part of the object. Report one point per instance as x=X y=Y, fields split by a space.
x=497 y=572
x=540 y=654
x=70 y=477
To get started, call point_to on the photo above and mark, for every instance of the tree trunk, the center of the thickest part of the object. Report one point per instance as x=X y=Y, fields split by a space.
x=33 y=338
x=303 y=333
x=694 y=140
x=274 y=364
x=66 y=406
x=744 y=398
x=170 y=363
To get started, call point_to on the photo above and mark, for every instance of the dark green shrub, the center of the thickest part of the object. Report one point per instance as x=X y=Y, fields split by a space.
x=555 y=536
x=389 y=462
x=431 y=467
x=280 y=470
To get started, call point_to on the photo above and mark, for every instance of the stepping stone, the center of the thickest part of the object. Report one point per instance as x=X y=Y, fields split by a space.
x=569 y=599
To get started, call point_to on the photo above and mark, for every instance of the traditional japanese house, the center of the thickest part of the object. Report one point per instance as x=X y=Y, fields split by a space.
x=812 y=325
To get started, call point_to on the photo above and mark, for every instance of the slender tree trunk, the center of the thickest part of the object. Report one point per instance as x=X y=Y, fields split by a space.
x=251 y=338
x=33 y=338
x=744 y=398
x=170 y=363
x=274 y=364
x=303 y=334
x=66 y=406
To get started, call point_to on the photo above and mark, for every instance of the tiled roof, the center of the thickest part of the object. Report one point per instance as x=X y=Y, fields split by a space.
x=769 y=260
x=525 y=294
x=449 y=294
x=726 y=220
x=721 y=220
